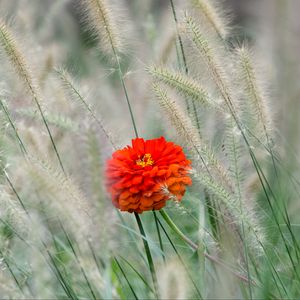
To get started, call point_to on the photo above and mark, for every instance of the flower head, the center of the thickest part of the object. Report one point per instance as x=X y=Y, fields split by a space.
x=145 y=175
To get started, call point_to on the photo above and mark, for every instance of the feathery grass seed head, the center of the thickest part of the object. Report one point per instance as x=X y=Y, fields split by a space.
x=182 y=84
x=214 y=16
x=100 y=16
x=256 y=96
x=10 y=47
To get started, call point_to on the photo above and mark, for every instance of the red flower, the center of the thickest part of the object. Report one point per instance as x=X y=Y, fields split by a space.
x=145 y=175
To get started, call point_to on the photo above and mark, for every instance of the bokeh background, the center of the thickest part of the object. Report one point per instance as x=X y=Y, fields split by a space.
x=272 y=26
x=53 y=34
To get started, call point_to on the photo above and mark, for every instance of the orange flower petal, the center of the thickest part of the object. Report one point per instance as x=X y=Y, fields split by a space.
x=136 y=175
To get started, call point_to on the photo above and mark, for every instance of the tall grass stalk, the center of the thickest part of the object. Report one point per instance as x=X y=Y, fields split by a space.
x=21 y=144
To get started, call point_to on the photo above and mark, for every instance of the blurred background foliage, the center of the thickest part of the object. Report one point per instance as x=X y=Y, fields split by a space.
x=270 y=25
x=53 y=34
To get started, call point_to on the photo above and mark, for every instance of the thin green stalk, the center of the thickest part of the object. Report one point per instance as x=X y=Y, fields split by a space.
x=127 y=98
x=159 y=236
x=11 y=272
x=179 y=37
x=16 y=193
x=51 y=137
x=21 y=144
x=178 y=231
x=148 y=253
x=181 y=49
x=247 y=260
x=119 y=287
x=124 y=275
x=137 y=273
x=201 y=251
x=62 y=280
x=78 y=261
x=94 y=256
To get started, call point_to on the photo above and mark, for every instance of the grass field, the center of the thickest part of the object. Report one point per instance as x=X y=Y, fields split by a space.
x=81 y=79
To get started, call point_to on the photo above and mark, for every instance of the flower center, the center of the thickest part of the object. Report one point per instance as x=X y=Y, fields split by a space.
x=145 y=161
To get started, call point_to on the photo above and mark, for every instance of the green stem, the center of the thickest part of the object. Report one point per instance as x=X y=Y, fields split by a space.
x=148 y=253
x=125 y=92
x=159 y=235
x=201 y=251
x=178 y=231
x=179 y=37
x=21 y=144
x=124 y=274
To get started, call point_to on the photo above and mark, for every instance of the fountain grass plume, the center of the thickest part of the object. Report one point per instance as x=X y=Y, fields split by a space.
x=214 y=16
x=101 y=18
x=256 y=95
